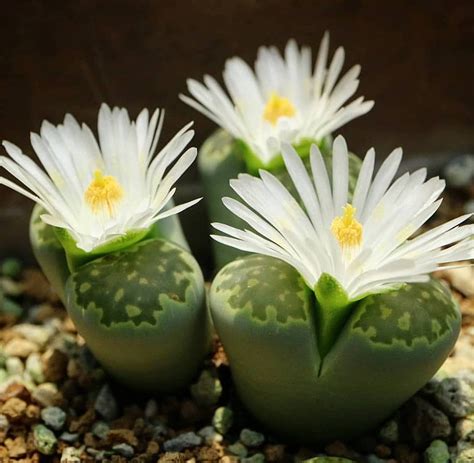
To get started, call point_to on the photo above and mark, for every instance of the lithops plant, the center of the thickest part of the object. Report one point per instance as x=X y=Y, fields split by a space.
x=282 y=99
x=334 y=323
x=106 y=234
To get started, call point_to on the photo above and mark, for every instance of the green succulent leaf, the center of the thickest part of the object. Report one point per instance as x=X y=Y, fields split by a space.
x=77 y=257
x=142 y=313
x=333 y=307
x=383 y=348
x=254 y=163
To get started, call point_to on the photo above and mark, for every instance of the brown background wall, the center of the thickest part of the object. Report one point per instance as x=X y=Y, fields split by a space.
x=417 y=62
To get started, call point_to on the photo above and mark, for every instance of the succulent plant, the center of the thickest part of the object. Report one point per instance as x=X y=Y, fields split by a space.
x=282 y=99
x=388 y=348
x=334 y=323
x=106 y=234
x=221 y=158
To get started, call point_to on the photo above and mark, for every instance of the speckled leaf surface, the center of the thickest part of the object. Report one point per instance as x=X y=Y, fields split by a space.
x=389 y=347
x=142 y=313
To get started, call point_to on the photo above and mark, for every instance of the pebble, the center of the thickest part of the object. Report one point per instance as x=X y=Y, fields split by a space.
x=54 y=365
x=100 y=429
x=465 y=428
x=455 y=397
x=324 y=459
x=10 y=287
x=465 y=455
x=18 y=347
x=374 y=459
x=44 y=439
x=207 y=390
x=173 y=457
x=427 y=422
x=159 y=430
x=274 y=452
x=462 y=279
x=69 y=437
x=16 y=447
x=10 y=307
x=34 y=367
x=106 y=404
x=3 y=375
x=4 y=424
x=388 y=433
x=256 y=458
x=210 y=435
x=46 y=394
x=222 y=419
x=151 y=409
x=124 y=449
x=53 y=417
x=238 y=449
x=181 y=442
x=14 y=409
x=338 y=448
x=459 y=172
x=40 y=335
x=251 y=438
x=437 y=452
x=466 y=375
x=14 y=366
x=71 y=455
x=11 y=267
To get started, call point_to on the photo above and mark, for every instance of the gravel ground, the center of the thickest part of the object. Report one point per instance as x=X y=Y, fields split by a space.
x=56 y=403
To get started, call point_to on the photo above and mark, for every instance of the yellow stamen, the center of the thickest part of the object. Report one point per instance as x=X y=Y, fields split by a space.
x=278 y=106
x=346 y=228
x=103 y=193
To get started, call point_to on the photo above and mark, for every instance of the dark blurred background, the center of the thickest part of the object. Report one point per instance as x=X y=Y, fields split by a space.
x=417 y=62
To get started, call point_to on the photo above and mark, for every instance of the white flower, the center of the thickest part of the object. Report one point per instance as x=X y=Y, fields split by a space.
x=283 y=100
x=363 y=244
x=100 y=191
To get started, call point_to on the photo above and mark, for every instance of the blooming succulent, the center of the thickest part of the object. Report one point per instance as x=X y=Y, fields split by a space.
x=337 y=297
x=284 y=99
x=105 y=232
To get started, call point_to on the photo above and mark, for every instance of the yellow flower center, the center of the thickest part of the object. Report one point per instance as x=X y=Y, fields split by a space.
x=103 y=193
x=346 y=228
x=278 y=106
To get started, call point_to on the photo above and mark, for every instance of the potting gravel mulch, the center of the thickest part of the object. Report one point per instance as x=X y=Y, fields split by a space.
x=57 y=404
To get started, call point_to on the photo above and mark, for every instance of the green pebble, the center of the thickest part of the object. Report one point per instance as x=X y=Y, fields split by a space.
x=44 y=439
x=3 y=375
x=34 y=367
x=207 y=390
x=238 y=449
x=251 y=438
x=14 y=366
x=54 y=417
x=257 y=458
x=10 y=307
x=222 y=419
x=437 y=452
x=69 y=437
x=11 y=267
x=124 y=449
x=100 y=429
